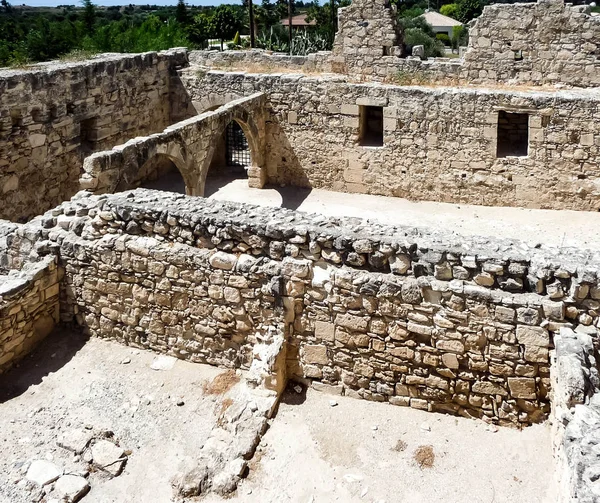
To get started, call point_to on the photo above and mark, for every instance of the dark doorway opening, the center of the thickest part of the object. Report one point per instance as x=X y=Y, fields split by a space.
x=371 y=126
x=231 y=160
x=161 y=173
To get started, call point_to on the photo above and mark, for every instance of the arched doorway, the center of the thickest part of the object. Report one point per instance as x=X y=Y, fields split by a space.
x=231 y=160
x=161 y=173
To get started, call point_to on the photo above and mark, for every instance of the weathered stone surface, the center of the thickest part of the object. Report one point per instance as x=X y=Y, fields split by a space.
x=43 y=472
x=108 y=457
x=71 y=488
x=533 y=336
x=75 y=440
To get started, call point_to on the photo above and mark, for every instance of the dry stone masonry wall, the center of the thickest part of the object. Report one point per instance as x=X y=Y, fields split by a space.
x=543 y=43
x=432 y=322
x=576 y=415
x=53 y=115
x=29 y=308
x=548 y=42
x=438 y=144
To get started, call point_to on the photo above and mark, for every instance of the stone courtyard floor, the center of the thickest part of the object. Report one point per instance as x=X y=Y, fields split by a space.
x=319 y=448
x=558 y=228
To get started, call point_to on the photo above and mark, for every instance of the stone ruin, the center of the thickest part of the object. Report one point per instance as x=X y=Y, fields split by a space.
x=484 y=328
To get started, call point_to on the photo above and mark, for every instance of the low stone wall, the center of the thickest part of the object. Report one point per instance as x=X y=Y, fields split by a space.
x=576 y=415
x=387 y=68
x=52 y=115
x=189 y=144
x=533 y=44
x=29 y=308
x=439 y=144
x=385 y=313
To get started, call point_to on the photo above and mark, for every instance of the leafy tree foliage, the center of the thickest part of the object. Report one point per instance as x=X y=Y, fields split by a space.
x=225 y=23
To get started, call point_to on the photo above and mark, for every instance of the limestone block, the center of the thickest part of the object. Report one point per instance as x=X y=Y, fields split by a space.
x=489 y=388
x=37 y=140
x=222 y=260
x=347 y=109
x=522 y=387
x=10 y=183
x=352 y=322
x=533 y=336
x=315 y=354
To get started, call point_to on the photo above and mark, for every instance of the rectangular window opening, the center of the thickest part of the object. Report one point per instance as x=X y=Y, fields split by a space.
x=513 y=134
x=88 y=134
x=371 y=126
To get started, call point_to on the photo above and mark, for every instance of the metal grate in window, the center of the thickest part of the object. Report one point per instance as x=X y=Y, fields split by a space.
x=238 y=152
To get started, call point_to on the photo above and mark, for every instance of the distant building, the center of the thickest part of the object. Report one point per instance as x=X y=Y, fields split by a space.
x=299 y=22
x=441 y=23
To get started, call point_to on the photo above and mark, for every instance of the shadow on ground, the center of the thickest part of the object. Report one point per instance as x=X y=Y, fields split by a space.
x=291 y=197
x=53 y=353
x=294 y=394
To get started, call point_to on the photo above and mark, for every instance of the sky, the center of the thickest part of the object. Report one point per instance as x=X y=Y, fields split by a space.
x=54 y=3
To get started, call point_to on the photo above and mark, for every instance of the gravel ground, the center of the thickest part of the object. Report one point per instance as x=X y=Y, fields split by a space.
x=160 y=417
x=359 y=451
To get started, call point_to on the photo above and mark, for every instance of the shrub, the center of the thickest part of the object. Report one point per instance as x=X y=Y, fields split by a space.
x=460 y=36
x=443 y=38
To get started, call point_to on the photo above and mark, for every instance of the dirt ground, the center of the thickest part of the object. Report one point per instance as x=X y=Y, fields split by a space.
x=319 y=448
x=359 y=451
x=160 y=416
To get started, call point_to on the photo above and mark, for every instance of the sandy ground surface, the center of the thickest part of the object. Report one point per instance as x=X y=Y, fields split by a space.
x=564 y=228
x=359 y=451
x=314 y=452
x=161 y=416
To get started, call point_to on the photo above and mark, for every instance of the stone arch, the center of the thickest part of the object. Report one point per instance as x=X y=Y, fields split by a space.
x=254 y=135
x=213 y=101
x=139 y=170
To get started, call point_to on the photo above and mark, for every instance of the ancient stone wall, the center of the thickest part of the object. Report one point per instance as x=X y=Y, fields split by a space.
x=367 y=32
x=29 y=308
x=53 y=115
x=546 y=42
x=439 y=144
x=384 y=313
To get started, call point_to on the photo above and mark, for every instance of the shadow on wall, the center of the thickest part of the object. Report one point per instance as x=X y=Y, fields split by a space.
x=51 y=354
x=283 y=166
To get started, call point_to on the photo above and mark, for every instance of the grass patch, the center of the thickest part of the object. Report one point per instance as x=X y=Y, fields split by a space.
x=221 y=384
x=424 y=456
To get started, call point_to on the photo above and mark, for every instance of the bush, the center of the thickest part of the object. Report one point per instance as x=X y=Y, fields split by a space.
x=416 y=36
x=460 y=37
x=443 y=38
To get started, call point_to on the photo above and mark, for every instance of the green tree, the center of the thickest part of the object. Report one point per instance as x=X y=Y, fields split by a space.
x=89 y=14
x=224 y=23
x=6 y=7
x=181 y=12
x=450 y=10
x=468 y=9
x=199 y=31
